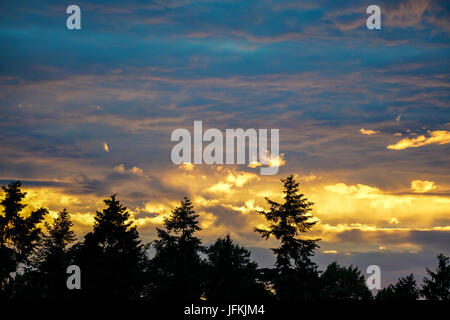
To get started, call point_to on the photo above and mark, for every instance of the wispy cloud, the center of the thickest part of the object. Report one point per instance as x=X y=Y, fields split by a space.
x=436 y=137
x=367 y=132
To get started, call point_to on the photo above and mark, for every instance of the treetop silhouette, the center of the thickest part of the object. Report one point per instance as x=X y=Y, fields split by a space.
x=112 y=257
x=177 y=269
x=115 y=264
x=287 y=221
x=19 y=235
x=437 y=286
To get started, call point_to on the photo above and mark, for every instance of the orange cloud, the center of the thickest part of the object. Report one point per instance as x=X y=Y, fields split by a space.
x=187 y=166
x=367 y=132
x=272 y=161
x=420 y=186
x=436 y=137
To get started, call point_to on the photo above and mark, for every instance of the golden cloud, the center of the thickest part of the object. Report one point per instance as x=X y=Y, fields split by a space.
x=227 y=199
x=436 y=137
x=221 y=187
x=134 y=170
x=420 y=186
x=373 y=207
x=272 y=161
x=367 y=132
x=187 y=166
x=241 y=178
x=308 y=178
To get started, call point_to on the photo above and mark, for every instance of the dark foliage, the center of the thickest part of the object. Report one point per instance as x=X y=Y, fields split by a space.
x=296 y=275
x=404 y=290
x=177 y=270
x=232 y=275
x=437 y=286
x=47 y=277
x=115 y=265
x=344 y=283
x=112 y=258
x=19 y=235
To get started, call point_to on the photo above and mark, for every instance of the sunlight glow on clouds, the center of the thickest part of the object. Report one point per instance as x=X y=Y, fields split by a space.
x=340 y=209
x=342 y=203
x=367 y=132
x=420 y=186
x=241 y=178
x=134 y=170
x=187 y=166
x=436 y=137
x=272 y=161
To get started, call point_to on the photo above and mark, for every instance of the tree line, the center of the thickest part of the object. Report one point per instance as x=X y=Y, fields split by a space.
x=115 y=263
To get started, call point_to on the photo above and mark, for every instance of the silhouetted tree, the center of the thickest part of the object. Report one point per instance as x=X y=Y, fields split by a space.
x=344 y=283
x=54 y=256
x=386 y=294
x=437 y=287
x=112 y=258
x=114 y=263
x=18 y=234
x=46 y=278
x=296 y=276
x=176 y=270
x=404 y=290
x=231 y=274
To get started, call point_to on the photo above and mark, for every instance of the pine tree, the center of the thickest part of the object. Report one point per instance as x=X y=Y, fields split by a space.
x=177 y=267
x=296 y=275
x=112 y=258
x=344 y=283
x=437 y=287
x=18 y=234
x=404 y=290
x=386 y=294
x=231 y=274
x=53 y=257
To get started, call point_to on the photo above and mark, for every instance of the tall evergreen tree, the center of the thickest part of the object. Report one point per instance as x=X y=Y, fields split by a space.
x=18 y=234
x=177 y=267
x=344 y=283
x=54 y=257
x=404 y=290
x=437 y=286
x=296 y=275
x=46 y=278
x=112 y=258
x=231 y=274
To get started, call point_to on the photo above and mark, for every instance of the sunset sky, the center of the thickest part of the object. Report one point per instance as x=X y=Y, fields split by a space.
x=363 y=116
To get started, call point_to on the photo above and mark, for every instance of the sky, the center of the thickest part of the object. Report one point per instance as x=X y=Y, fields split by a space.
x=363 y=117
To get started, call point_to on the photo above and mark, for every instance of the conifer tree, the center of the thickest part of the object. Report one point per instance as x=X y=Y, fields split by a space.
x=344 y=283
x=404 y=290
x=437 y=286
x=18 y=234
x=176 y=269
x=53 y=256
x=112 y=258
x=231 y=274
x=296 y=276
